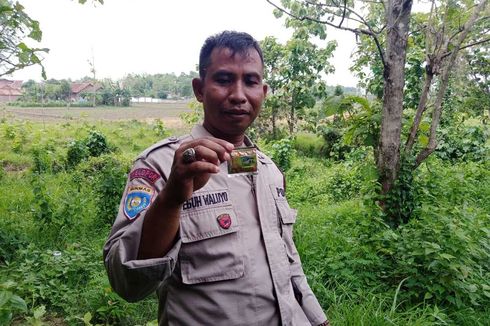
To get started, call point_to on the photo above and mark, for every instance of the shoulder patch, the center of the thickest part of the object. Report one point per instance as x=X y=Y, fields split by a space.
x=137 y=199
x=146 y=174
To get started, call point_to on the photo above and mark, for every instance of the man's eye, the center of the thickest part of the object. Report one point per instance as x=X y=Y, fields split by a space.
x=223 y=81
x=251 y=81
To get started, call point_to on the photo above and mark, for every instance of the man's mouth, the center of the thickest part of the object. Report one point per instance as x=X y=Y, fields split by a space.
x=237 y=113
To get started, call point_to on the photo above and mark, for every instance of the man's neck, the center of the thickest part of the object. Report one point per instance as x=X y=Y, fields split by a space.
x=237 y=140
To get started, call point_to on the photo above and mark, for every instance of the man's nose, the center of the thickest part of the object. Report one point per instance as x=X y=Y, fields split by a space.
x=237 y=93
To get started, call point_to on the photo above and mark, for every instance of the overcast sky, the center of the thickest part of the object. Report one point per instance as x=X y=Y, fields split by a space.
x=152 y=36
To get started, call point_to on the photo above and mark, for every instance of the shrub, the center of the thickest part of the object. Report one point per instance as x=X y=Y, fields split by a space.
x=107 y=176
x=308 y=144
x=77 y=152
x=10 y=302
x=52 y=277
x=282 y=152
x=333 y=147
x=41 y=160
x=96 y=143
x=462 y=143
x=9 y=244
x=403 y=200
x=443 y=259
x=159 y=128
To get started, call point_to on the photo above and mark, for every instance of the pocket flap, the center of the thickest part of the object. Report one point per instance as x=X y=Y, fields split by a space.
x=288 y=214
x=208 y=223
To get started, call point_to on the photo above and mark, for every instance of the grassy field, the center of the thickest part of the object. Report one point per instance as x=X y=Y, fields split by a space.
x=61 y=179
x=167 y=111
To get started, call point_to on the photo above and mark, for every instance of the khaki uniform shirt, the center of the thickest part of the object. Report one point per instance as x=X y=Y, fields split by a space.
x=234 y=262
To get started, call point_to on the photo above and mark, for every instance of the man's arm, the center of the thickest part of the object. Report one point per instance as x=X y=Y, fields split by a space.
x=162 y=220
x=142 y=250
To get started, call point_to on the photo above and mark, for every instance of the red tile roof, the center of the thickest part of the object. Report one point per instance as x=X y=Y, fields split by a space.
x=10 y=87
x=77 y=88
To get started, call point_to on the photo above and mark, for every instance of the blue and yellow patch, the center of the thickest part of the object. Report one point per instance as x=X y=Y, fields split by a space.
x=137 y=199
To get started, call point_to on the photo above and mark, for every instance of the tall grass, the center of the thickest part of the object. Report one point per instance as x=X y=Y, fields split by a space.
x=431 y=271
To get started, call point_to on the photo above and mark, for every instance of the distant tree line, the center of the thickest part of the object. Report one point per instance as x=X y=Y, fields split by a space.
x=109 y=92
x=161 y=86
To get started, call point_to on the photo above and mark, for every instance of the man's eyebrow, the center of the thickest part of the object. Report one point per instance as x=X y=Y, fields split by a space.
x=253 y=74
x=222 y=72
x=227 y=73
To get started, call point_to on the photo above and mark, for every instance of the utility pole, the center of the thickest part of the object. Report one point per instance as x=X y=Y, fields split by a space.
x=92 y=70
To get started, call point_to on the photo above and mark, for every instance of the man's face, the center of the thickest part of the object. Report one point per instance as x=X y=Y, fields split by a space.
x=232 y=92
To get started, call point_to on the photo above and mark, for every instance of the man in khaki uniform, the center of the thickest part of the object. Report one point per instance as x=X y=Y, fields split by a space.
x=217 y=249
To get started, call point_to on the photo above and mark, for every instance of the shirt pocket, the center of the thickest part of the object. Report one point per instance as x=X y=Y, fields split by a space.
x=210 y=246
x=287 y=218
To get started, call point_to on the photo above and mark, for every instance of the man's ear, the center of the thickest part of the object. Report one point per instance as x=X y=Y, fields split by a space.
x=197 y=85
x=265 y=88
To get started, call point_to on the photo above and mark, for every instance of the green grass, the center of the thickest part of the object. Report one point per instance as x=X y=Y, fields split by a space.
x=363 y=272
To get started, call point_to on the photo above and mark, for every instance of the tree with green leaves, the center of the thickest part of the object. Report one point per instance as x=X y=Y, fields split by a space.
x=16 y=30
x=294 y=72
x=273 y=53
x=392 y=43
x=15 y=27
x=160 y=85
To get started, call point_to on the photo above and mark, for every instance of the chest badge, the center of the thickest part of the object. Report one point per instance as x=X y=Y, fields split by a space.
x=224 y=220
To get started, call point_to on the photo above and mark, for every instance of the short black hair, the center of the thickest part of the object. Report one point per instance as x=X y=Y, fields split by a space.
x=237 y=42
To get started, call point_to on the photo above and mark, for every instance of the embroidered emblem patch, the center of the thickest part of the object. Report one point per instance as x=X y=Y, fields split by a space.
x=224 y=220
x=146 y=174
x=137 y=199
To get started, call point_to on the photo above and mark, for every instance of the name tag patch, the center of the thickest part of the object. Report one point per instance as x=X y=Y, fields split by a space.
x=210 y=199
x=146 y=174
x=137 y=199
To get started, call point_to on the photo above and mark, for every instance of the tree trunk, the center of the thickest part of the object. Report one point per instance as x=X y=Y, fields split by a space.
x=274 y=128
x=422 y=106
x=436 y=114
x=291 y=121
x=388 y=160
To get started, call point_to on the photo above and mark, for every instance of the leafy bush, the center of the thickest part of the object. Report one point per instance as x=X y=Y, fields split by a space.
x=308 y=144
x=333 y=147
x=77 y=152
x=44 y=160
x=159 y=128
x=51 y=277
x=196 y=115
x=440 y=259
x=402 y=202
x=444 y=259
x=10 y=303
x=43 y=212
x=311 y=180
x=9 y=132
x=107 y=176
x=9 y=244
x=282 y=152
x=95 y=144
x=462 y=143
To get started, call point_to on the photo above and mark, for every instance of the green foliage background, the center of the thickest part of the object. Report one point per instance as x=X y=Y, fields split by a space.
x=61 y=185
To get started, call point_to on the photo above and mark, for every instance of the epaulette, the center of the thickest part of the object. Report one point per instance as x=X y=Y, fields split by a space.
x=160 y=144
